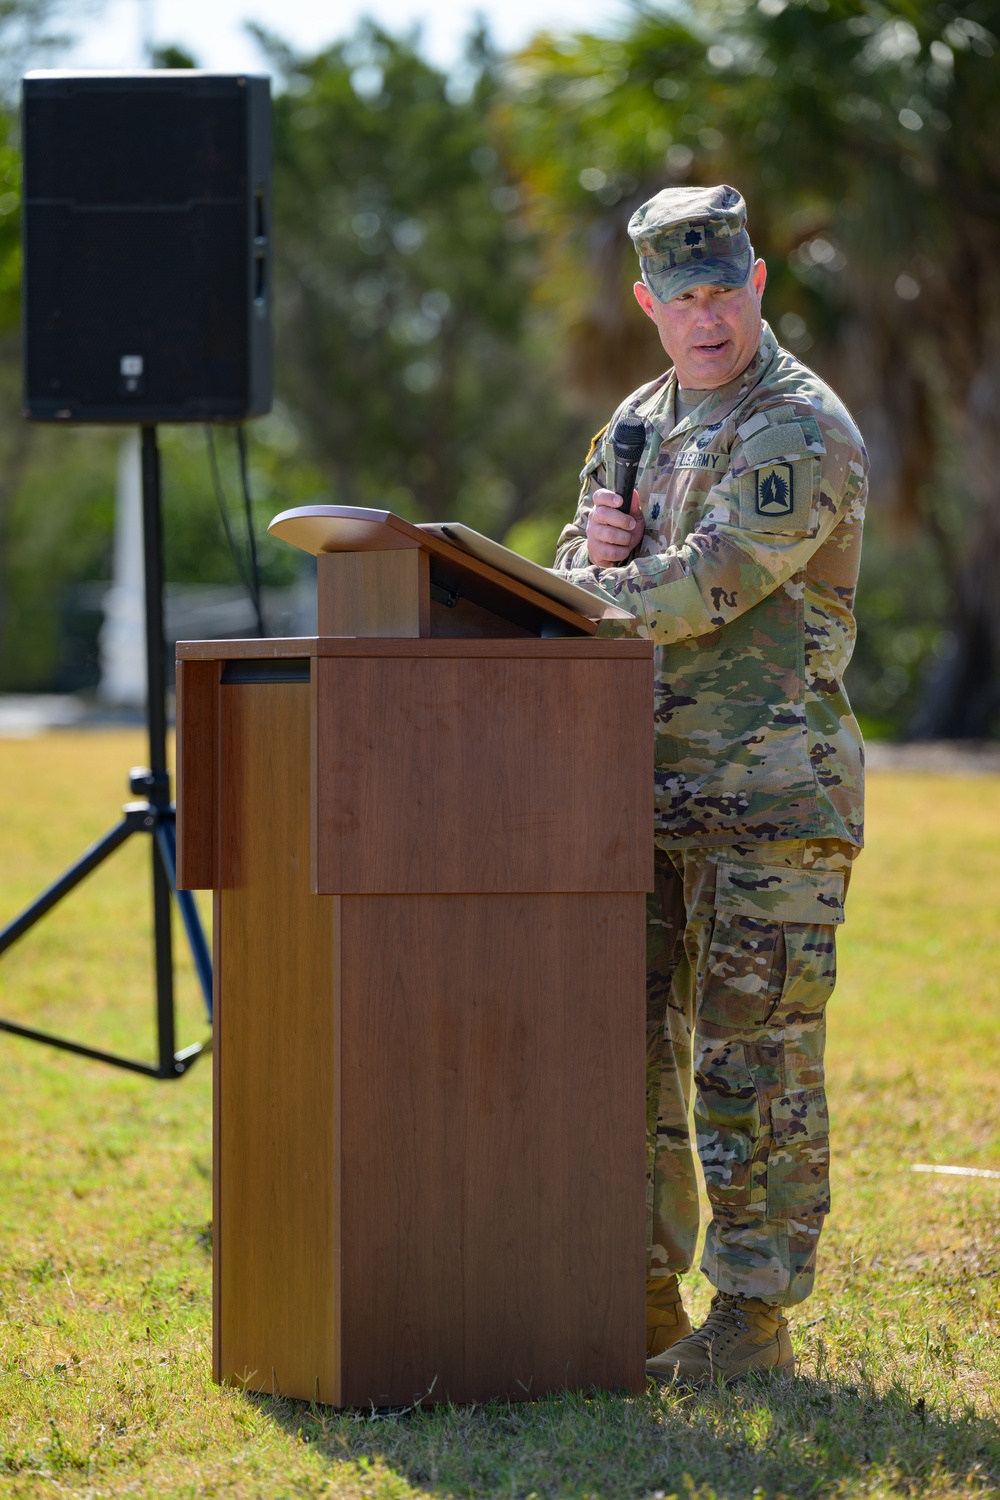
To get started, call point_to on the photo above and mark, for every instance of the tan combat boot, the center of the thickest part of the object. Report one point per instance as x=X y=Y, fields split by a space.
x=666 y=1320
x=740 y=1334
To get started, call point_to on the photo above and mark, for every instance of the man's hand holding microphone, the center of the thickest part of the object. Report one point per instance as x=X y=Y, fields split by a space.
x=615 y=526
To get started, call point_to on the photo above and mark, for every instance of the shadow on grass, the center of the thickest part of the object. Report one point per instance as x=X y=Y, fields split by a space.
x=808 y=1437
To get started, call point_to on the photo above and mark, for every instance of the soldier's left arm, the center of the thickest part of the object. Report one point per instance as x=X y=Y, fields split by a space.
x=738 y=556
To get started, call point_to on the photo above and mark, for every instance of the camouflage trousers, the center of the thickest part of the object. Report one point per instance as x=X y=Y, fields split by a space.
x=740 y=966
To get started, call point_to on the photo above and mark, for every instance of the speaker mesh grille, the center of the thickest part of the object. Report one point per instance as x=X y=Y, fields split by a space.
x=140 y=147
x=118 y=283
x=137 y=246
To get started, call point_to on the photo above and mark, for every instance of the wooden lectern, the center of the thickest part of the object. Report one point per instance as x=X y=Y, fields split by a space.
x=429 y=835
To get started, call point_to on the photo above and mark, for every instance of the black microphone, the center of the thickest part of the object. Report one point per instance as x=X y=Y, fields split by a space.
x=628 y=441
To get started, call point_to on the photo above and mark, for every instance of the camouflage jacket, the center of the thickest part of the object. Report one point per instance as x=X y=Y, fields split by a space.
x=745 y=580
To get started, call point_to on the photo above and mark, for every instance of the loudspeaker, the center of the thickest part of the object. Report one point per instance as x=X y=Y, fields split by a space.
x=147 y=246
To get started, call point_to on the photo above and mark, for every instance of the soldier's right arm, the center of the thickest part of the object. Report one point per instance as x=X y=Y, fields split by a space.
x=729 y=564
x=571 y=548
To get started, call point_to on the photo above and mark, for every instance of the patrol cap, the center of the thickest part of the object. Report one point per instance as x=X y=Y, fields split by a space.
x=687 y=236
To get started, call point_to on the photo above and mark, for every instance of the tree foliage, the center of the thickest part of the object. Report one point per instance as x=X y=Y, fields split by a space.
x=409 y=346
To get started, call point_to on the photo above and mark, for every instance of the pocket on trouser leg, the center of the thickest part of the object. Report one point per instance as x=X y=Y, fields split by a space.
x=780 y=893
x=742 y=978
x=773 y=944
x=792 y=1042
x=727 y=1123
x=798 y=1168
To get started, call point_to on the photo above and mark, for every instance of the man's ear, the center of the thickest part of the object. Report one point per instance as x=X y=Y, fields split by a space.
x=644 y=297
x=759 y=275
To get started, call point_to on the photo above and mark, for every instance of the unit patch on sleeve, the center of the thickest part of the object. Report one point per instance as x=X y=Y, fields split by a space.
x=774 y=493
x=781 y=495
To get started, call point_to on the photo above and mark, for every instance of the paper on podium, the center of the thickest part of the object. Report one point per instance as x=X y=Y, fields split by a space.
x=593 y=604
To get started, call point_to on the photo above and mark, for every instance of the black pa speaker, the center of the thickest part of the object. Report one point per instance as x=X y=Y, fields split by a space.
x=146 y=240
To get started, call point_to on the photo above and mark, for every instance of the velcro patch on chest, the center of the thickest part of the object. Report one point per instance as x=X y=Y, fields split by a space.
x=705 y=463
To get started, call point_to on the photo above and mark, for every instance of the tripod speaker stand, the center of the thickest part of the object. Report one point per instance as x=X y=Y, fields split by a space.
x=146 y=212
x=154 y=814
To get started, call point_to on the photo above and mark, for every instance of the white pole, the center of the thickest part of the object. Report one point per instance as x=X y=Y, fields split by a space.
x=122 y=635
x=146 y=33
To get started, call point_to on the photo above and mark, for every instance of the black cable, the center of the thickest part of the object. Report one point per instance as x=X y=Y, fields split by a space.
x=246 y=578
x=241 y=445
x=220 y=500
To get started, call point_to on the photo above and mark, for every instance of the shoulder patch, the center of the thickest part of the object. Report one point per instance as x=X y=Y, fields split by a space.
x=780 y=494
x=594 y=442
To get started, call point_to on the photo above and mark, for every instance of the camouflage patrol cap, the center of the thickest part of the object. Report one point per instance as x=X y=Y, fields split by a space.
x=687 y=236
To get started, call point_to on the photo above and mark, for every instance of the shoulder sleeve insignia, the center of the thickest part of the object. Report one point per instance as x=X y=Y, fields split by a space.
x=774 y=493
x=595 y=440
x=781 y=495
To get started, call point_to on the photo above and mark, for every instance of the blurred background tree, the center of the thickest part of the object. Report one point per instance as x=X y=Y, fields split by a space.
x=29 y=34
x=454 y=313
x=409 y=346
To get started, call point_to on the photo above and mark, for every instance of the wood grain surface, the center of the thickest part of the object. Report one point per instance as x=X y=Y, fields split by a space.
x=373 y=593
x=451 y=775
x=197 y=774
x=275 y=1025
x=217 y=1167
x=429 y=1149
x=493 y=1146
x=576 y=648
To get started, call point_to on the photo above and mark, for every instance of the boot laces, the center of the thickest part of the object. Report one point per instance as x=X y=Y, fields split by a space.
x=726 y=1312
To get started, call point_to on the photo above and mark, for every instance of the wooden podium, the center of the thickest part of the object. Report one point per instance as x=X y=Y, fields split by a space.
x=429 y=835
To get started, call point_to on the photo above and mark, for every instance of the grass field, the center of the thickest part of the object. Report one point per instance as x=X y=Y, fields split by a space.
x=105 y=1207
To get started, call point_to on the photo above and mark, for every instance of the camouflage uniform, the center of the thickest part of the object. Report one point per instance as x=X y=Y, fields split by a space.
x=744 y=579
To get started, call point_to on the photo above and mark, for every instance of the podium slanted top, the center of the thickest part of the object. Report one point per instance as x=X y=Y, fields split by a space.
x=349 y=528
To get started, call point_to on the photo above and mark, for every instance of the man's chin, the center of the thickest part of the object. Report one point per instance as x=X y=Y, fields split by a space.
x=714 y=366
x=707 y=369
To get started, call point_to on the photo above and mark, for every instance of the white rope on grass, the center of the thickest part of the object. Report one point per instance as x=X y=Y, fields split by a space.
x=922 y=1166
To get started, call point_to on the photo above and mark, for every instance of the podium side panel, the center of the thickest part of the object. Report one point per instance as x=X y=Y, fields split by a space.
x=464 y=774
x=494 y=1156
x=276 y=1101
x=197 y=773
x=216 y=1136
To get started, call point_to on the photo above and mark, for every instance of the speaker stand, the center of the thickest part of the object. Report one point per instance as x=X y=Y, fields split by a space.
x=155 y=815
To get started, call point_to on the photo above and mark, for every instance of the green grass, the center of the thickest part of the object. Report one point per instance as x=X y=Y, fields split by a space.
x=105 y=1209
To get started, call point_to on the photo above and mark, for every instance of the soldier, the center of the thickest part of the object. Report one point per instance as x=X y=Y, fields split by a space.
x=739 y=560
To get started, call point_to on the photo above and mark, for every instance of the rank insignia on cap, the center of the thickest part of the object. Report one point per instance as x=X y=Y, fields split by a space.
x=774 y=490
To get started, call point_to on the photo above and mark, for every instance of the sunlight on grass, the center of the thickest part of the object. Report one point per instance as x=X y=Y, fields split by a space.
x=106 y=1201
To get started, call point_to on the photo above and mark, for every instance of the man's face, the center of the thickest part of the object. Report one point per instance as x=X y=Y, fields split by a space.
x=711 y=333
